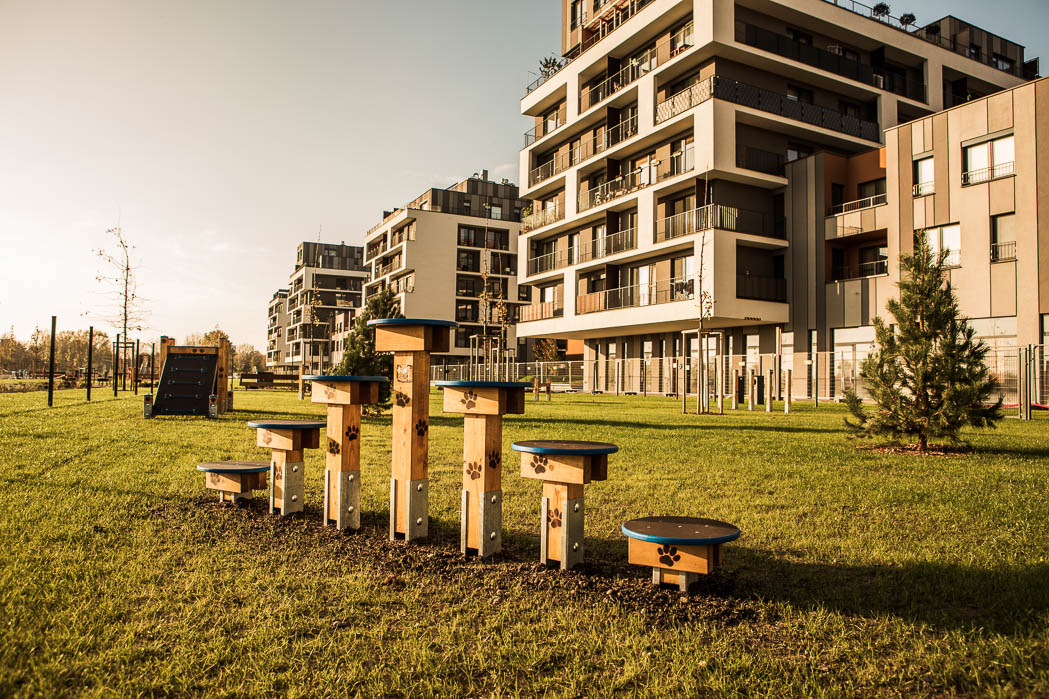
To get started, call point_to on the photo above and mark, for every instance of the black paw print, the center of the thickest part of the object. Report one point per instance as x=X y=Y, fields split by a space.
x=469 y=399
x=540 y=463
x=352 y=432
x=668 y=555
x=333 y=446
x=473 y=470
x=402 y=399
x=494 y=459
x=553 y=518
x=421 y=427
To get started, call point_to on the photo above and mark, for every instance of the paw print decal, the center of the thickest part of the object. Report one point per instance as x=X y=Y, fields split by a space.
x=553 y=518
x=401 y=399
x=540 y=463
x=421 y=427
x=469 y=399
x=494 y=459
x=668 y=555
x=352 y=433
x=473 y=470
x=333 y=446
x=267 y=437
x=329 y=393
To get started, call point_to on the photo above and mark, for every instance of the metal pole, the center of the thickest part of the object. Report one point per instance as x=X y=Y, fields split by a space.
x=134 y=380
x=51 y=367
x=116 y=366
x=90 y=346
x=152 y=350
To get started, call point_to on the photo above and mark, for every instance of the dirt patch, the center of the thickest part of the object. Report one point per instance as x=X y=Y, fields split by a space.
x=913 y=449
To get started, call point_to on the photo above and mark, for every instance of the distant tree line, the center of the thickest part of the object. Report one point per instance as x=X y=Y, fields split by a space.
x=70 y=351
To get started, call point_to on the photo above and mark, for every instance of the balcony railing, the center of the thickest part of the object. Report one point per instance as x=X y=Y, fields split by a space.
x=554 y=166
x=541 y=311
x=857 y=204
x=688 y=98
x=863 y=269
x=543 y=217
x=651 y=294
x=749 y=286
x=547 y=126
x=988 y=173
x=701 y=219
x=387 y=268
x=832 y=62
x=611 y=136
x=679 y=41
x=923 y=189
x=604 y=246
x=551 y=260
x=1000 y=252
x=760 y=160
x=680 y=162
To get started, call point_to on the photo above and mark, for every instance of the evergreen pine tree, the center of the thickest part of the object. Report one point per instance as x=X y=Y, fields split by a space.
x=359 y=357
x=927 y=377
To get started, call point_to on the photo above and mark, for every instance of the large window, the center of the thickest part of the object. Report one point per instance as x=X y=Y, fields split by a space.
x=923 y=177
x=948 y=239
x=469 y=261
x=989 y=160
x=871 y=189
x=1003 y=238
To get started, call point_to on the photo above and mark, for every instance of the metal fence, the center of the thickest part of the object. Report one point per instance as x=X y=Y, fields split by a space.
x=1021 y=373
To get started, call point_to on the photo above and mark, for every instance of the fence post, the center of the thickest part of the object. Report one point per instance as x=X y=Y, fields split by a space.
x=768 y=392
x=90 y=346
x=751 y=384
x=735 y=388
x=786 y=396
x=134 y=380
x=816 y=380
x=51 y=366
x=116 y=366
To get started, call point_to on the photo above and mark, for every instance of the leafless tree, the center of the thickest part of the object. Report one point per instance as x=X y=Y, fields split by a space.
x=125 y=309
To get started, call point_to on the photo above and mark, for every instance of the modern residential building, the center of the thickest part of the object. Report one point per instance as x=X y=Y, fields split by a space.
x=276 y=327
x=669 y=157
x=436 y=250
x=323 y=293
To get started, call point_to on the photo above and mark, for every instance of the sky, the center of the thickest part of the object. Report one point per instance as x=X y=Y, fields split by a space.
x=220 y=134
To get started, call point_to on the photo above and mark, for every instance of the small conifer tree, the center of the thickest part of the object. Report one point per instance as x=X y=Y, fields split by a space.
x=927 y=377
x=359 y=357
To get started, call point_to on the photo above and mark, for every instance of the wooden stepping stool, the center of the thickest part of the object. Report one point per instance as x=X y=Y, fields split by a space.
x=483 y=404
x=679 y=549
x=411 y=340
x=564 y=467
x=286 y=440
x=344 y=396
x=234 y=480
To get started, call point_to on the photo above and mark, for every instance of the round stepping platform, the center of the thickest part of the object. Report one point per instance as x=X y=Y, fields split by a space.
x=681 y=531
x=482 y=384
x=565 y=447
x=346 y=379
x=288 y=424
x=235 y=467
x=413 y=321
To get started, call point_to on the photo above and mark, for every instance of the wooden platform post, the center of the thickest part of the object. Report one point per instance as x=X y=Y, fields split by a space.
x=286 y=440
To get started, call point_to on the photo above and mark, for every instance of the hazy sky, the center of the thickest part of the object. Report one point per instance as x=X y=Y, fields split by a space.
x=222 y=134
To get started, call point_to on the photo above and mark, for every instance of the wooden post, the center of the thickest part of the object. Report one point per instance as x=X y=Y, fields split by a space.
x=768 y=392
x=787 y=395
x=51 y=366
x=90 y=347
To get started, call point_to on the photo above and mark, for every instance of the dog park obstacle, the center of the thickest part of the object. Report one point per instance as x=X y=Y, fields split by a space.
x=679 y=549
x=411 y=340
x=286 y=440
x=192 y=380
x=564 y=467
x=344 y=396
x=234 y=480
x=482 y=404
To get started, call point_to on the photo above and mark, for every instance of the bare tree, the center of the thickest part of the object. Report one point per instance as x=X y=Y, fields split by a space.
x=126 y=309
x=703 y=297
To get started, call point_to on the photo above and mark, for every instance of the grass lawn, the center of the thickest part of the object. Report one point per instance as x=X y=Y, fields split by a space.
x=857 y=572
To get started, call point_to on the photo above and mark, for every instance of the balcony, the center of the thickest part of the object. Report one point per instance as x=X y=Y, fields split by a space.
x=611 y=136
x=1003 y=252
x=542 y=311
x=680 y=163
x=857 y=204
x=760 y=160
x=832 y=62
x=554 y=166
x=609 y=245
x=711 y=216
x=988 y=173
x=660 y=292
x=864 y=269
x=923 y=189
x=543 y=217
x=757 y=288
x=551 y=261
x=387 y=268
x=547 y=126
x=678 y=42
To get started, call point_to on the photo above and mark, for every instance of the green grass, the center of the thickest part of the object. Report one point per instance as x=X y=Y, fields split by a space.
x=857 y=572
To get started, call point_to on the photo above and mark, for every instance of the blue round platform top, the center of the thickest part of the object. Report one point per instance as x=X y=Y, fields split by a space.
x=482 y=384
x=682 y=531
x=235 y=467
x=413 y=321
x=346 y=379
x=565 y=447
x=287 y=424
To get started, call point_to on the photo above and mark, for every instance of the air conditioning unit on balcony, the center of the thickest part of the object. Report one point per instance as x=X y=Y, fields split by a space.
x=879 y=81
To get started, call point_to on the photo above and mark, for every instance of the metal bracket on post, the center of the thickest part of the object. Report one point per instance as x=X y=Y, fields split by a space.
x=417 y=522
x=572 y=534
x=490 y=526
x=294 y=487
x=349 y=501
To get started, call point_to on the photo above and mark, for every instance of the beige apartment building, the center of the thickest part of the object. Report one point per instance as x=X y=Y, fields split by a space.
x=436 y=251
x=307 y=321
x=670 y=172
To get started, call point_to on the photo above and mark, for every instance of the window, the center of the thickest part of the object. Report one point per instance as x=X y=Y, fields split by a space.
x=1003 y=238
x=796 y=152
x=467 y=286
x=949 y=240
x=989 y=160
x=466 y=311
x=495 y=211
x=800 y=36
x=873 y=260
x=577 y=14
x=469 y=261
x=799 y=94
x=524 y=293
x=1003 y=63
x=872 y=189
x=837 y=194
x=468 y=236
x=923 y=177
x=850 y=109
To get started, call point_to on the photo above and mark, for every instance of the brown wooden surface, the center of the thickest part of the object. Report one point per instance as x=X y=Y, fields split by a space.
x=345 y=392
x=557 y=516
x=411 y=424
x=281 y=460
x=402 y=338
x=556 y=469
x=283 y=440
x=342 y=450
x=693 y=559
x=482 y=467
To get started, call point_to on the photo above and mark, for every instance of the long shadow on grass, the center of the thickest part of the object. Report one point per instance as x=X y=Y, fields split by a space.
x=733 y=427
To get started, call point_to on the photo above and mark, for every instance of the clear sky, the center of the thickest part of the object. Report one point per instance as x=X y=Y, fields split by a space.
x=223 y=133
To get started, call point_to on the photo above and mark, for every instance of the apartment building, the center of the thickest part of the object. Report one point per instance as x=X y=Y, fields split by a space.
x=662 y=154
x=436 y=251
x=276 y=326
x=323 y=293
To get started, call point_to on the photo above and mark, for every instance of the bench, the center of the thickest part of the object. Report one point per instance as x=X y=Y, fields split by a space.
x=269 y=379
x=679 y=549
x=234 y=480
